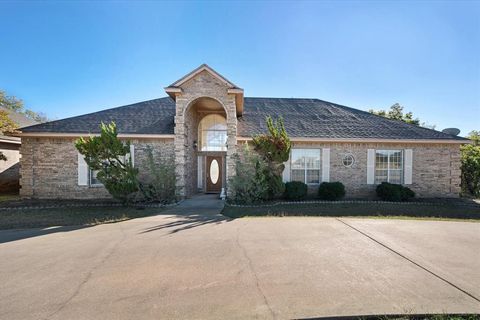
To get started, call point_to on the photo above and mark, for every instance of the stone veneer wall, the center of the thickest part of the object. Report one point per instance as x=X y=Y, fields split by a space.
x=48 y=167
x=202 y=85
x=436 y=167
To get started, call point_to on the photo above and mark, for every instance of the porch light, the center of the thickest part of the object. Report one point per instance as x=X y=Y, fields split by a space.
x=195 y=144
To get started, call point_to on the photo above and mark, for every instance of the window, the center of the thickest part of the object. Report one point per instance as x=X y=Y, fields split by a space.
x=212 y=133
x=92 y=178
x=389 y=166
x=305 y=165
x=348 y=160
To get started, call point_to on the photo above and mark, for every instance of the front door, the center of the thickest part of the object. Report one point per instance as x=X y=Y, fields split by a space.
x=214 y=174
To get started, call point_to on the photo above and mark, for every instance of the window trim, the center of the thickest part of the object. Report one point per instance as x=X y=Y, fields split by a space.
x=402 y=169
x=305 y=169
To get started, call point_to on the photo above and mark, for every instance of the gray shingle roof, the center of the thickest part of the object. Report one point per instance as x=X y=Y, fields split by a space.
x=147 y=117
x=303 y=118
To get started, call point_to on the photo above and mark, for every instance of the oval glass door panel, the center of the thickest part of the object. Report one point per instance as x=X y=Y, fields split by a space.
x=214 y=171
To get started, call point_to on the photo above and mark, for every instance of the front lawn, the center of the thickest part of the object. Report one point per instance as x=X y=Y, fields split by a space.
x=76 y=216
x=411 y=210
x=9 y=197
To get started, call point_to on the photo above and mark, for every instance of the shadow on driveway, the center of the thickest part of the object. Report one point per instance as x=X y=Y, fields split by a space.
x=185 y=222
x=19 y=234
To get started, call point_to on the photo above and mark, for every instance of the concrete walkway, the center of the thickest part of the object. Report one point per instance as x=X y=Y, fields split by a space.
x=204 y=204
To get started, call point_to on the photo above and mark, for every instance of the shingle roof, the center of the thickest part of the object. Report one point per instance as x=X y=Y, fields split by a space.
x=316 y=118
x=147 y=117
x=311 y=118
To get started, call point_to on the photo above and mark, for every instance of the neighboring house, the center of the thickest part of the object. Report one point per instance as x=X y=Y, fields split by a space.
x=10 y=148
x=205 y=120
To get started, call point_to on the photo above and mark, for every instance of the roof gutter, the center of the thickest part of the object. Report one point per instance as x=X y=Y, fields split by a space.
x=369 y=140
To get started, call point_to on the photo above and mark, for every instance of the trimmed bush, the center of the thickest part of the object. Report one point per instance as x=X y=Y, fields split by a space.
x=295 y=190
x=394 y=192
x=331 y=191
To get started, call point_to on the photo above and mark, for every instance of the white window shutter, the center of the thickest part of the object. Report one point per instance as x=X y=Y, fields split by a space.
x=132 y=154
x=325 y=164
x=370 y=166
x=286 y=171
x=82 y=169
x=407 y=179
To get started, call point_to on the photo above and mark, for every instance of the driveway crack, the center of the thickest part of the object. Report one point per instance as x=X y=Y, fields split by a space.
x=411 y=261
x=89 y=275
x=255 y=276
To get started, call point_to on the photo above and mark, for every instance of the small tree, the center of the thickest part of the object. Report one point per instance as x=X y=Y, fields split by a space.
x=396 y=113
x=110 y=156
x=471 y=165
x=16 y=105
x=6 y=124
x=274 y=148
x=250 y=183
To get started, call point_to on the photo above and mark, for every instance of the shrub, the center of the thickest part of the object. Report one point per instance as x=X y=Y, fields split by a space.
x=274 y=148
x=471 y=169
x=159 y=184
x=250 y=184
x=111 y=157
x=295 y=190
x=331 y=191
x=394 y=192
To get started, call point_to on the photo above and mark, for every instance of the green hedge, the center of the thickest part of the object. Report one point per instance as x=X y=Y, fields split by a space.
x=295 y=190
x=394 y=192
x=331 y=191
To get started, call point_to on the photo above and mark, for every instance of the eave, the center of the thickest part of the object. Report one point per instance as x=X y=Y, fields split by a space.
x=370 y=140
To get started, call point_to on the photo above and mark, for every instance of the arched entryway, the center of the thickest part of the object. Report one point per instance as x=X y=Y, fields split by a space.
x=206 y=130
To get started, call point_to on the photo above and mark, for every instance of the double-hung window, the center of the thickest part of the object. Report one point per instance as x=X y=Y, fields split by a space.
x=305 y=166
x=389 y=166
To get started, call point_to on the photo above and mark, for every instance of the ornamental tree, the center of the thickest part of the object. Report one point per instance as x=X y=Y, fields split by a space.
x=274 y=147
x=111 y=157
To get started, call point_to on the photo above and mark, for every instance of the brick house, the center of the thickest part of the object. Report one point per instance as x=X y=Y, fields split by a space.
x=206 y=118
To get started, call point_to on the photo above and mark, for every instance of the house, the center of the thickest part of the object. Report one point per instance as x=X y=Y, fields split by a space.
x=205 y=119
x=10 y=148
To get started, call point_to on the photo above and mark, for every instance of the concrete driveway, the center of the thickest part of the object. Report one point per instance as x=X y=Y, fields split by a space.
x=208 y=267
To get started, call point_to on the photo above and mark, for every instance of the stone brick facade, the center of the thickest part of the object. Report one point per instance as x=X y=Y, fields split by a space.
x=436 y=167
x=48 y=167
x=203 y=85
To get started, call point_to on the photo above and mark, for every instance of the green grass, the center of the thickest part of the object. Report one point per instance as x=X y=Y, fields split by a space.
x=9 y=197
x=378 y=210
x=78 y=216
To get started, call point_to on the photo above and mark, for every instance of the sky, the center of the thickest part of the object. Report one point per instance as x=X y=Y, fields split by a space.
x=70 y=58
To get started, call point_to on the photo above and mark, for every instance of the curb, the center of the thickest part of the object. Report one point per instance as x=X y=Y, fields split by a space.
x=341 y=202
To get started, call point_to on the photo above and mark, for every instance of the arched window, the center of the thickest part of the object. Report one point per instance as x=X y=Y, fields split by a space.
x=212 y=133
